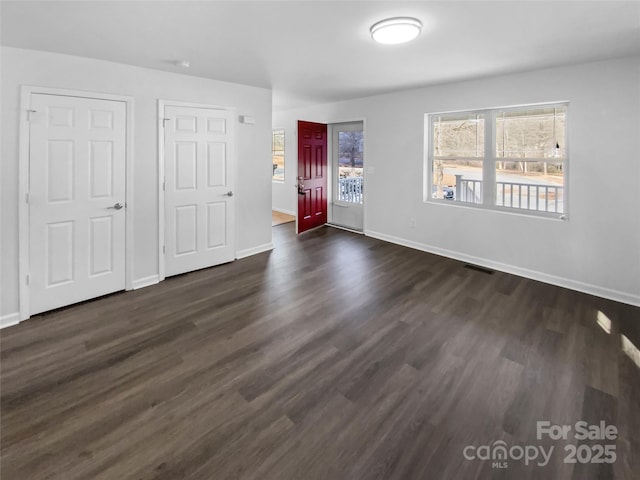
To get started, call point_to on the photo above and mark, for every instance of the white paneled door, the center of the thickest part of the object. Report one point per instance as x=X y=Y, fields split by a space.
x=199 y=196
x=77 y=172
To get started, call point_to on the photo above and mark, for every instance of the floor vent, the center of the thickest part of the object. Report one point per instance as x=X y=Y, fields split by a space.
x=479 y=269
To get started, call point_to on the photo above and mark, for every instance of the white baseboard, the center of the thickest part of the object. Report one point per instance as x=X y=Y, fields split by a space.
x=618 y=296
x=9 y=320
x=254 y=250
x=146 y=281
x=282 y=210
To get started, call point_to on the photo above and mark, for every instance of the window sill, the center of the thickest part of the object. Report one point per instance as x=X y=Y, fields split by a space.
x=562 y=217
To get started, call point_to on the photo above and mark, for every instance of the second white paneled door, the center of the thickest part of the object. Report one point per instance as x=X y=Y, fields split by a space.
x=199 y=153
x=77 y=177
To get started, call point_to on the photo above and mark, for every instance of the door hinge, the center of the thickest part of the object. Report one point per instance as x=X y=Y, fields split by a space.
x=26 y=280
x=163 y=185
x=164 y=122
x=29 y=113
x=163 y=249
x=26 y=198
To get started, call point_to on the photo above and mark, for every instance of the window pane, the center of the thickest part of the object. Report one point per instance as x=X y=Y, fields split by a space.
x=457 y=180
x=277 y=154
x=530 y=185
x=458 y=135
x=534 y=133
x=350 y=166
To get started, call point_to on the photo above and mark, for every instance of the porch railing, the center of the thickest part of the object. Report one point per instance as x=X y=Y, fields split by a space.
x=542 y=198
x=350 y=189
x=469 y=191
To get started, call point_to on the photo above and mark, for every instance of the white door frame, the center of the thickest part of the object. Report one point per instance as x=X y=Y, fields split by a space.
x=161 y=210
x=23 y=185
x=331 y=125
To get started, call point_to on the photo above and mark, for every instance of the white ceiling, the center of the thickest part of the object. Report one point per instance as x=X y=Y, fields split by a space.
x=321 y=51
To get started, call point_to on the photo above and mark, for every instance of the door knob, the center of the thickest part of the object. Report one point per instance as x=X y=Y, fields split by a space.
x=117 y=206
x=228 y=194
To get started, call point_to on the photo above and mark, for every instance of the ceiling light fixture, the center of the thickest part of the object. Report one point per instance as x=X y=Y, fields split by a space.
x=182 y=63
x=393 y=31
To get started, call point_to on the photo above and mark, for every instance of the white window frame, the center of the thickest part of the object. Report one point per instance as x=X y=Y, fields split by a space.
x=489 y=201
x=284 y=154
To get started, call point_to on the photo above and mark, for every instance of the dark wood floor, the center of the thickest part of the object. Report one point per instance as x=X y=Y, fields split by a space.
x=336 y=356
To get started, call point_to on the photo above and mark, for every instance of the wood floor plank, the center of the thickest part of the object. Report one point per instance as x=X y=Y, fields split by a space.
x=334 y=356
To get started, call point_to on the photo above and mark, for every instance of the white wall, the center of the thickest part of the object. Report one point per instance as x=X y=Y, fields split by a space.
x=28 y=67
x=283 y=200
x=596 y=250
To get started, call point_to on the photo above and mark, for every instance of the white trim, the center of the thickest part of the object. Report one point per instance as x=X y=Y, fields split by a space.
x=146 y=281
x=161 y=186
x=616 y=295
x=65 y=92
x=23 y=207
x=539 y=215
x=247 y=252
x=501 y=107
x=23 y=183
x=207 y=106
x=161 y=171
x=129 y=224
x=284 y=156
x=282 y=210
x=334 y=225
x=9 y=320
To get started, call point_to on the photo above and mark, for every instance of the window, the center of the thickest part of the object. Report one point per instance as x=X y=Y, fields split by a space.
x=506 y=158
x=277 y=154
x=530 y=156
x=458 y=157
x=350 y=158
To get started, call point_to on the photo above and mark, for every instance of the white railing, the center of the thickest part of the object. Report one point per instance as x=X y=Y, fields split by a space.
x=543 y=198
x=350 y=189
x=469 y=191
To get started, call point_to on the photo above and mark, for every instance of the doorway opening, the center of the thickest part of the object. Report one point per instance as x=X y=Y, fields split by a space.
x=278 y=218
x=347 y=175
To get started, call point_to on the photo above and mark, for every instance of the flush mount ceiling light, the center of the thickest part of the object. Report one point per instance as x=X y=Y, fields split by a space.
x=393 y=31
x=182 y=63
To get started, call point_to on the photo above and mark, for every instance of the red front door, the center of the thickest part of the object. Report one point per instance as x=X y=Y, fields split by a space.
x=312 y=175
